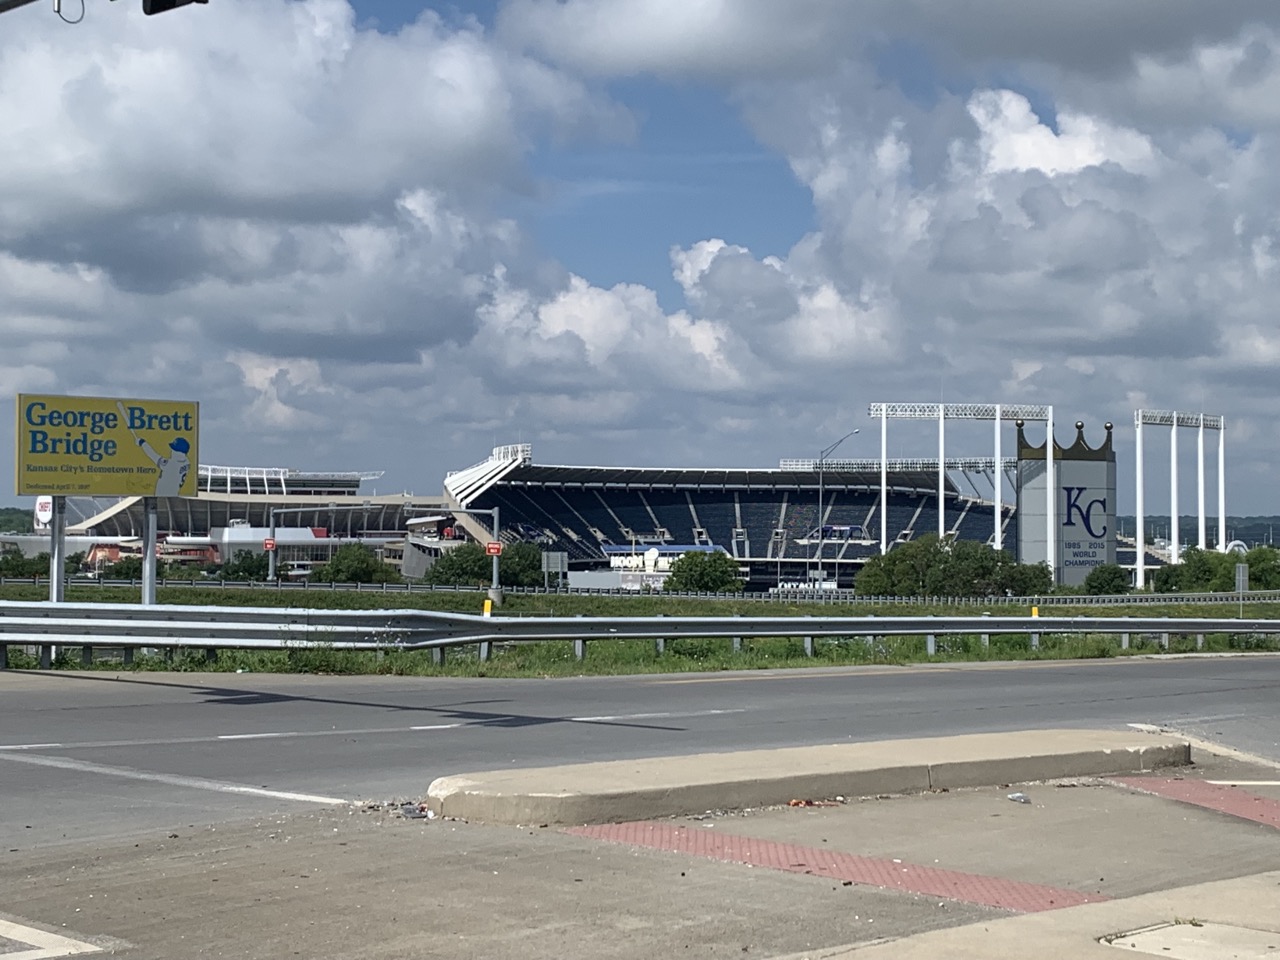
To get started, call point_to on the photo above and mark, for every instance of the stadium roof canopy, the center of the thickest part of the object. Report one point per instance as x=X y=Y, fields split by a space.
x=513 y=465
x=647 y=477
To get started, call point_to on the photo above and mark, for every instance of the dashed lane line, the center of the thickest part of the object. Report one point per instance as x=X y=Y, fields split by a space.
x=357 y=732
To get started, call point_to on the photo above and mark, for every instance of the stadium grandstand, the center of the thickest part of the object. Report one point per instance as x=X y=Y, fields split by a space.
x=233 y=512
x=769 y=520
x=601 y=517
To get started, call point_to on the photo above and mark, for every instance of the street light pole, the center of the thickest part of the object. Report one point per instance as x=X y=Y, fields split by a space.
x=496 y=587
x=822 y=502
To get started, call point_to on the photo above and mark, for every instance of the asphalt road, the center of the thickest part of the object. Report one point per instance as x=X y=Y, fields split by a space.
x=97 y=755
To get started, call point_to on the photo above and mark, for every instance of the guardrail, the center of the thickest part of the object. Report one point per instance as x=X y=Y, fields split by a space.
x=133 y=626
x=788 y=596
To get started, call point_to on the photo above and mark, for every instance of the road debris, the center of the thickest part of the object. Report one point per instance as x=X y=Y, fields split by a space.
x=1019 y=798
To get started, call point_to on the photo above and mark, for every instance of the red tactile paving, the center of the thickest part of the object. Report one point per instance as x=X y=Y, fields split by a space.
x=888 y=874
x=1229 y=800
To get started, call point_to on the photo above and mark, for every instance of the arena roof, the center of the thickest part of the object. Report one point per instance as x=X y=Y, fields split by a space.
x=513 y=465
x=713 y=477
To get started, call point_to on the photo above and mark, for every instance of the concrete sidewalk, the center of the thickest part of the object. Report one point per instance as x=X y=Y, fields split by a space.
x=1235 y=919
x=950 y=872
x=674 y=786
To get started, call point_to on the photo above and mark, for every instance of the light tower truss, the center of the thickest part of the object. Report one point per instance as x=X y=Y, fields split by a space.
x=1174 y=419
x=916 y=465
x=961 y=411
x=942 y=412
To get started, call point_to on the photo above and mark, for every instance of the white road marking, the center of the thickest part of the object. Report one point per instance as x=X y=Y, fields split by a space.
x=44 y=946
x=656 y=716
x=358 y=732
x=33 y=746
x=1146 y=727
x=175 y=780
x=1244 y=783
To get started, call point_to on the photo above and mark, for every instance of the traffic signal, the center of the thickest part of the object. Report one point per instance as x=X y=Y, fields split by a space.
x=152 y=7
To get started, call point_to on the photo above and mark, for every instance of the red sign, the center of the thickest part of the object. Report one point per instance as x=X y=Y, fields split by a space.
x=493 y=548
x=269 y=544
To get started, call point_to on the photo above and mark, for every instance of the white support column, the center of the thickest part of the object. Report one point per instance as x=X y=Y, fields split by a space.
x=1050 y=501
x=1222 y=484
x=884 y=479
x=1175 y=550
x=942 y=470
x=1201 y=542
x=58 y=551
x=149 y=548
x=1139 y=535
x=999 y=475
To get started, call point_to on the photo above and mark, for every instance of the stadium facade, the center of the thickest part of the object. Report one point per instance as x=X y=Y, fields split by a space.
x=807 y=523
x=770 y=520
x=233 y=512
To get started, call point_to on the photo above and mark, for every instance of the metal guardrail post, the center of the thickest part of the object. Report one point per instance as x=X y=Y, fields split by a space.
x=931 y=645
x=4 y=656
x=86 y=656
x=808 y=646
x=1199 y=641
x=46 y=656
x=579 y=649
x=660 y=646
x=128 y=656
x=486 y=651
x=437 y=656
x=1124 y=641
x=1164 y=640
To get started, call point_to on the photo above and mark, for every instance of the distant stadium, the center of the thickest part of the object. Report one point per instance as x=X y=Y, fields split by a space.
x=808 y=524
x=770 y=521
x=233 y=512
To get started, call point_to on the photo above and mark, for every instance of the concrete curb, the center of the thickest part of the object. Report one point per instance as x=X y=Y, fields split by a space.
x=625 y=790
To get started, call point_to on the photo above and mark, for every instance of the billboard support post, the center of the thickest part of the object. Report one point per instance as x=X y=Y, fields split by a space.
x=58 y=551
x=149 y=547
x=271 y=554
x=495 y=590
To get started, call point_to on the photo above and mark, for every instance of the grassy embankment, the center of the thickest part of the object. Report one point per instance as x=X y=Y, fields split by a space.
x=613 y=657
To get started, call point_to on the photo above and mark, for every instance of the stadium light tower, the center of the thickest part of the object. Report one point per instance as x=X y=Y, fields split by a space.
x=822 y=502
x=152 y=7
x=149 y=7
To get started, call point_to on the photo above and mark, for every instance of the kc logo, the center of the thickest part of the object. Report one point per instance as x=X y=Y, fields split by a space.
x=1085 y=512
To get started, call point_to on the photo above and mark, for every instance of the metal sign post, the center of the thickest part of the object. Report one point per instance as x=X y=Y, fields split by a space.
x=495 y=589
x=556 y=562
x=149 y=550
x=58 y=551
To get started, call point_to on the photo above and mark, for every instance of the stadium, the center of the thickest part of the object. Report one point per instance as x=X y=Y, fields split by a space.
x=769 y=520
x=807 y=524
x=233 y=512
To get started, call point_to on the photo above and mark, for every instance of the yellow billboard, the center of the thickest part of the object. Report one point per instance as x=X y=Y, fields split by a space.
x=106 y=446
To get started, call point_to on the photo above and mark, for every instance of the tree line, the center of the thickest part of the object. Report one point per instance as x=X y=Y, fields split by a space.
x=927 y=567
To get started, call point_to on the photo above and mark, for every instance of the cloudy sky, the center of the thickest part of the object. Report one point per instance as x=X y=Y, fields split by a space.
x=390 y=234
